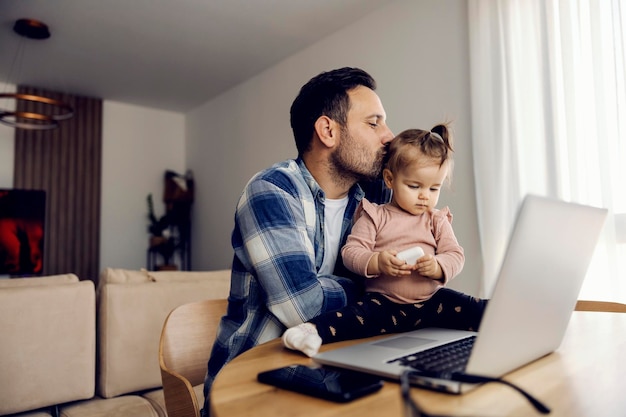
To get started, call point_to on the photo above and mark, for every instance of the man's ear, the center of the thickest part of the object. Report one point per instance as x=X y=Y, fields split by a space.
x=327 y=130
x=388 y=177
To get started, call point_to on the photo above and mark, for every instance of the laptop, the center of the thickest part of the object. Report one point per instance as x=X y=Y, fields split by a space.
x=543 y=269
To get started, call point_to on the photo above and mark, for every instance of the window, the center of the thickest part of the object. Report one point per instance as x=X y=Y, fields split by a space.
x=549 y=117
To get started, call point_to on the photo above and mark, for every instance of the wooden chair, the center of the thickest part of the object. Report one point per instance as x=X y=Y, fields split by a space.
x=608 y=306
x=184 y=349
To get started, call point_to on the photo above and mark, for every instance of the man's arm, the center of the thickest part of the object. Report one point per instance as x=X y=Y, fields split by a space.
x=275 y=226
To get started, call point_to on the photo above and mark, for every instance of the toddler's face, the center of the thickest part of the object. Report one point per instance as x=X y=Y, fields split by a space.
x=416 y=187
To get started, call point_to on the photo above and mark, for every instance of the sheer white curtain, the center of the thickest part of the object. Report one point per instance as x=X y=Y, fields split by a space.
x=548 y=82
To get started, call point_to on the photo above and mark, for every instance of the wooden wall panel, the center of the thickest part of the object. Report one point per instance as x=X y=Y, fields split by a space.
x=66 y=163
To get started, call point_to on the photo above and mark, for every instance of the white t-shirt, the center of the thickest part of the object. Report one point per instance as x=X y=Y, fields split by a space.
x=333 y=218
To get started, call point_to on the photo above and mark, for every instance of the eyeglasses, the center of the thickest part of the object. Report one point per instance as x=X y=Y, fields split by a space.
x=413 y=410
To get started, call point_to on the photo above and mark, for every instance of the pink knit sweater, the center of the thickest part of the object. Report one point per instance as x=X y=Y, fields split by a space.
x=386 y=227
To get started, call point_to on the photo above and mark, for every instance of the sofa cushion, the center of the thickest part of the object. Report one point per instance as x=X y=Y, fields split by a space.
x=157 y=399
x=33 y=281
x=38 y=413
x=221 y=278
x=47 y=344
x=127 y=276
x=124 y=406
x=130 y=320
x=122 y=276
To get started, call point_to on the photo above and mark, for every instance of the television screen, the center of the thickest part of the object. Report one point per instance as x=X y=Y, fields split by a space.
x=22 y=219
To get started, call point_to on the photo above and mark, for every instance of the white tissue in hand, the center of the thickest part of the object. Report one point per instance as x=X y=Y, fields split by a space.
x=411 y=255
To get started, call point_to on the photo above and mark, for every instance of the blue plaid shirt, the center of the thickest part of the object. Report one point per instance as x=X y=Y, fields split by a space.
x=278 y=243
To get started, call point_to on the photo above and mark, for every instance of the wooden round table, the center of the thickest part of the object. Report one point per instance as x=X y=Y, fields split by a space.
x=582 y=378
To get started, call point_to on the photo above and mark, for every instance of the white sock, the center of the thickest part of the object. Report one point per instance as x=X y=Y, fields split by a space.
x=303 y=337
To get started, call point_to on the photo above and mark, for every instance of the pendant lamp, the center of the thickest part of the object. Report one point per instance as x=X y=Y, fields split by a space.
x=55 y=110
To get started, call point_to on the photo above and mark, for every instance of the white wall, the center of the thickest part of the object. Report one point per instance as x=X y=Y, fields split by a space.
x=418 y=53
x=138 y=145
x=6 y=156
x=7 y=135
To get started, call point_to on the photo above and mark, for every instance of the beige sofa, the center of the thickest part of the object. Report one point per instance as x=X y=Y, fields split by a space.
x=70 y=349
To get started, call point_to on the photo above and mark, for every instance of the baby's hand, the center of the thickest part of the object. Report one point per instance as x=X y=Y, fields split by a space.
x=428 y=266
x=390 y=264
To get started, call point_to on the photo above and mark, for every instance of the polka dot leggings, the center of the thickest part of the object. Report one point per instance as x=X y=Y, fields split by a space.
x=374 y=314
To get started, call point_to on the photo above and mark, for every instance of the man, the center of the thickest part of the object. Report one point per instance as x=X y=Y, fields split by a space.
x=293 y=217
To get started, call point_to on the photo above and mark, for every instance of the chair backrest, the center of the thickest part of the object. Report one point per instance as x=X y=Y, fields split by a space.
x=184 y=349
x=608 y=306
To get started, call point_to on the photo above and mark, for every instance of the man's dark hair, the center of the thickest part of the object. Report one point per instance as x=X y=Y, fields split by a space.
x=325 y=94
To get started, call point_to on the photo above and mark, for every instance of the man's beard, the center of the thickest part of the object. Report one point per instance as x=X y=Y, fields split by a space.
x=352 y=163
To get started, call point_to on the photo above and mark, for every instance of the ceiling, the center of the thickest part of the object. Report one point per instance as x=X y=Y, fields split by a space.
x=165 y=54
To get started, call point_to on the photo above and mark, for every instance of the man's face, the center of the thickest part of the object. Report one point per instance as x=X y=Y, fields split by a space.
x=361 y=149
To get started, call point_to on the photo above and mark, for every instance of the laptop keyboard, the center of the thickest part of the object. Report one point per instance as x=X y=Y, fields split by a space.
x=450 y=357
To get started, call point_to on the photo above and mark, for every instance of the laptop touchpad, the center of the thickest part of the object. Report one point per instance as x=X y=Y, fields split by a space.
x=404 y=342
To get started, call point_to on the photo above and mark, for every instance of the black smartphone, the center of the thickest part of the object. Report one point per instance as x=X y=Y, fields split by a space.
x=334 y=384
